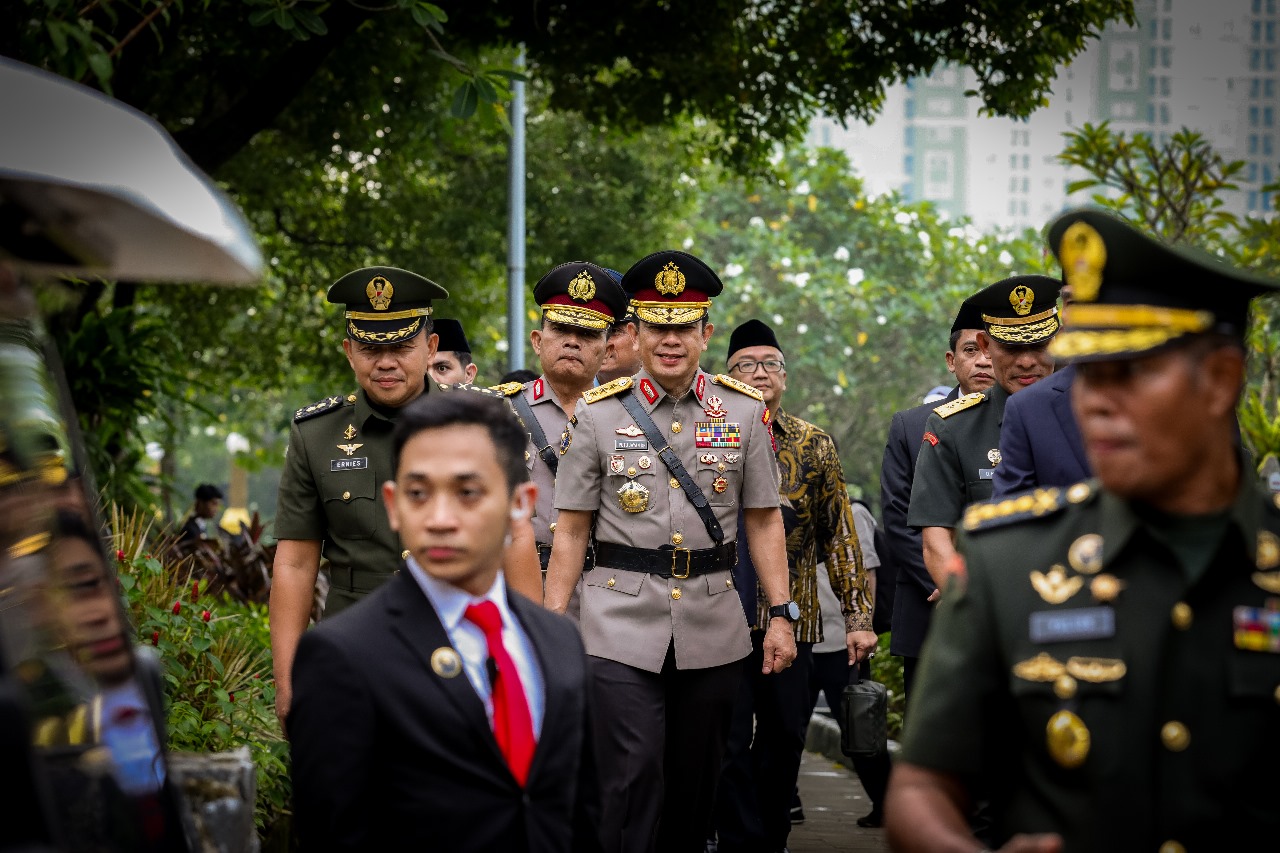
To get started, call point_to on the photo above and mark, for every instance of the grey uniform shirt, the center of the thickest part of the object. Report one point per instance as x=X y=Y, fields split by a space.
x=633 y=617
x=553 y=417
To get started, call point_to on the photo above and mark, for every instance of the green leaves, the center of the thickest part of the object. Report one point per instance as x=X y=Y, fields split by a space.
x=300 y=20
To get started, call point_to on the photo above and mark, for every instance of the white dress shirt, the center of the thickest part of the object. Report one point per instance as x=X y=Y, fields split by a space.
x=450 y=603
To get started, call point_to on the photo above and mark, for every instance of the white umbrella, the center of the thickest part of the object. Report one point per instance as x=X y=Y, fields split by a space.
x=92 y=187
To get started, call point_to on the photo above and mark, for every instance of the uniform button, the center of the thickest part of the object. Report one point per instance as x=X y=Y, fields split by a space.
x=720 y=467
x=729 y=583
x=351 y=398
x=1175 y=736
x=1064 y=687
x=675 y=593
x=675 y=426
x=631 y=472
x=1181 y=615
x=346 y=496
x=1172 y=847
x=1277 y=694
x=404 y=555
x=612 y=582
x=552 y=527
x=677 y=539
x=675 y=484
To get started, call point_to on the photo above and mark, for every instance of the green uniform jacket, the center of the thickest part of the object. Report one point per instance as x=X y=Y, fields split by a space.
x=1073 y=604
x=339 y=456
x=958 y=458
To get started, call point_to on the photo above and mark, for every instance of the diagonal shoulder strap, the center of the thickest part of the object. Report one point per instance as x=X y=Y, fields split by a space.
x=674 y=465
x=545 y=450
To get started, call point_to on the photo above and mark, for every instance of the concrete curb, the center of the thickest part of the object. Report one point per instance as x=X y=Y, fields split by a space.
x=823 y=737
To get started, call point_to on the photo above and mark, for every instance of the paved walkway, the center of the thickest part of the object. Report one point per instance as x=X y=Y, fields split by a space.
x=833 y=800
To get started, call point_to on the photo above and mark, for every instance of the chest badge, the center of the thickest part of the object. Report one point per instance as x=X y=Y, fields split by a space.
x=717 y=434
x=630 y=430
x=708 y=459
x=731 y=458
x=617 y=464
x=566 y=438
x=1085 y=554
x=993 y=456
x=1054 y=586
x=1256 y=629
x=350 y=449
x=644 y=462
x=715 y=407
x=633 y=497
x=719 y=484
x=445 y=662
x=350 y=432
x=1067 y=739
x=1268 y=554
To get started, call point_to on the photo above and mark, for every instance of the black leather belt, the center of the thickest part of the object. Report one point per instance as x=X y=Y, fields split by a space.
x=358 y=580
x=667 y=561
x=544 y=557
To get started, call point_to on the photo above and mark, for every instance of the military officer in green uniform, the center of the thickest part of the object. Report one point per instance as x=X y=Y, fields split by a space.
x=960 y=448
x=655 y=471
x=339 y=456
x=1110 y=659
x=580 y=301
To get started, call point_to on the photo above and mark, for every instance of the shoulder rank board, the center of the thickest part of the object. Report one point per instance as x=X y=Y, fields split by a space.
x=1031 y=504
x=320 y=407
x=507 y=389
x=741 y=387
x=959 y=404
x=608 y=389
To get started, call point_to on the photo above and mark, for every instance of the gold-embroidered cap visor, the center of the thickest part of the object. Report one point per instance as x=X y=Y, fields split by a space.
x=1029 y=330
x=576 y=315
x=671 y=313
x=1098 y=331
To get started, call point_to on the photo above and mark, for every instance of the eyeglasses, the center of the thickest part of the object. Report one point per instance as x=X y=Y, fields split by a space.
x=747 y=366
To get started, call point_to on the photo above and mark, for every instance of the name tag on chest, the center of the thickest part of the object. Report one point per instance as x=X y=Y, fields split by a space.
x=630 y=444
x=1061 y=626
x=349 y=464
x=986 y=473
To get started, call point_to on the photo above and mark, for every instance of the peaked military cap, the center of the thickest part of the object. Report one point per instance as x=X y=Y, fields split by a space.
x=671 y=288
x=580 y=294
x=385 y=305
x=1132 y=293
x=753 y=333
x=452 y=337
x=1019 y=310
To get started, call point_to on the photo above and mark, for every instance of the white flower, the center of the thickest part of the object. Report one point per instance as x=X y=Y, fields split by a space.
x=733 y=271
x=855 y=276
x=777 y=319
x=837 y=390
x=688 y=243
x=842 y=254
x=881 y=319
x=803 y=328
x=786 y=262
x=1005 y=258
x=803 y=188
x=925 y=239
x=756 y=222
x=502 y=345
x=237 y=443
x=802 y=279
x=902 y=218
x=848 y=350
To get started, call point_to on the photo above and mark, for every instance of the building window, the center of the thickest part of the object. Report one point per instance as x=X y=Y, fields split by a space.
x=1013 y=207
x=1255 y=87
x=1164 y=86
x=1026 y=185
x=1266 y=145
x=1164 y=113
x=1166 y=29
x=1255 y=59
x=1252 y=173
x=1269 y=87
x=1253 y=200
x=1253 y=116
x=1255 y=31
x=1270 y=56
x=1013 y=161
x=1253 y=143
x=1268 y=117
x=1026 y=161
x=1151 y=113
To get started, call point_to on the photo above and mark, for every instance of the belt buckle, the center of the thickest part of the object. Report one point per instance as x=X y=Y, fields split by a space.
x=688 y=563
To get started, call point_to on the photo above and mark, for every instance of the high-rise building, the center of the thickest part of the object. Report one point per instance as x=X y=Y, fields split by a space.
x=1208 y=65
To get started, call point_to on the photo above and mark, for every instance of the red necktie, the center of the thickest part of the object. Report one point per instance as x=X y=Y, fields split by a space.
x=512 y=723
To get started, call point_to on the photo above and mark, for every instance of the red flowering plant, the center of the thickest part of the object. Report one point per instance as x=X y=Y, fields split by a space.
x=216 y=661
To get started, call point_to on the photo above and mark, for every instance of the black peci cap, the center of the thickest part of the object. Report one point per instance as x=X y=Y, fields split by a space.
x=452 y=337
x=753 y=333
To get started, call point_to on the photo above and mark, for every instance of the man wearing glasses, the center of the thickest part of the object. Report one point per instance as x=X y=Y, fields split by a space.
x=759 y=777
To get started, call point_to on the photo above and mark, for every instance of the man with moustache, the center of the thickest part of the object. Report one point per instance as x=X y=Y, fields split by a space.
x=1117 y=680
x=960 y=448
x=915 y=590
x=580 y=303
x=339 y=454
x=654 y=473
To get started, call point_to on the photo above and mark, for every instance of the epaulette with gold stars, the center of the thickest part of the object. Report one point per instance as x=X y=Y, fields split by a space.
x=467 y=386
x=1036 y=503
x=507 y=389
x=322 y=406
x=959 y=404
x=742 y=387
x=608 y=389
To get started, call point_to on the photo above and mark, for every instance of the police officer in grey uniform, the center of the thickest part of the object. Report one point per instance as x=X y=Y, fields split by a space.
x=661 y=463
x=1111 y=656
x=960 y=448
x=580 y=301
x=339 y=456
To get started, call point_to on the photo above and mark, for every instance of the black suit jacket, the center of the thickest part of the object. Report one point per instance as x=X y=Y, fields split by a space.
x=1040 y=442
x=389 y=755
x=911 y=610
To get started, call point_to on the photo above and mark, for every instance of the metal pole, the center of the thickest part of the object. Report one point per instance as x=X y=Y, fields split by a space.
x=515 y=227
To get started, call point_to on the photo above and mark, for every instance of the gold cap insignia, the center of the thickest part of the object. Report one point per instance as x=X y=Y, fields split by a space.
x=1054 y=586
x=1083 y=256
x=445 y=662
x=583 y=287
x=379 y=291
x=1085 y=554
x=1067 y=738
x=1022 y=298
x=669 y=281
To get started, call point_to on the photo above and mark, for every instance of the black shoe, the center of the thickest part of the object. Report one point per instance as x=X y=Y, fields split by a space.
x=797 y=815
x=872 y=820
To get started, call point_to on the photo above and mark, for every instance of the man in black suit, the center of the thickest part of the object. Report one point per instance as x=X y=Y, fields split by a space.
x=915 y=591
x=443 y=712
x=200 y=524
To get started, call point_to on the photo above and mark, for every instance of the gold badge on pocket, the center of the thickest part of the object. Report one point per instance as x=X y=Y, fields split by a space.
x=633 y=497
x=1068 y=739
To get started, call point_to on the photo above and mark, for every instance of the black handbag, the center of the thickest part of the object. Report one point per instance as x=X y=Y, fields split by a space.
x=864 y=705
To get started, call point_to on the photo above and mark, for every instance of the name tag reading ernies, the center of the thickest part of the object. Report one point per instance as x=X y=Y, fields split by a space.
x=1085 y=623
x=349 y=464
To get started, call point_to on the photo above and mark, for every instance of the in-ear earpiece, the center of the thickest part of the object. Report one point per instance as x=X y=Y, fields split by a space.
x=517 y=514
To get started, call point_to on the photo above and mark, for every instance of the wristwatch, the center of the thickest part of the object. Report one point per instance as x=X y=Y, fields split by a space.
x=788 y=610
